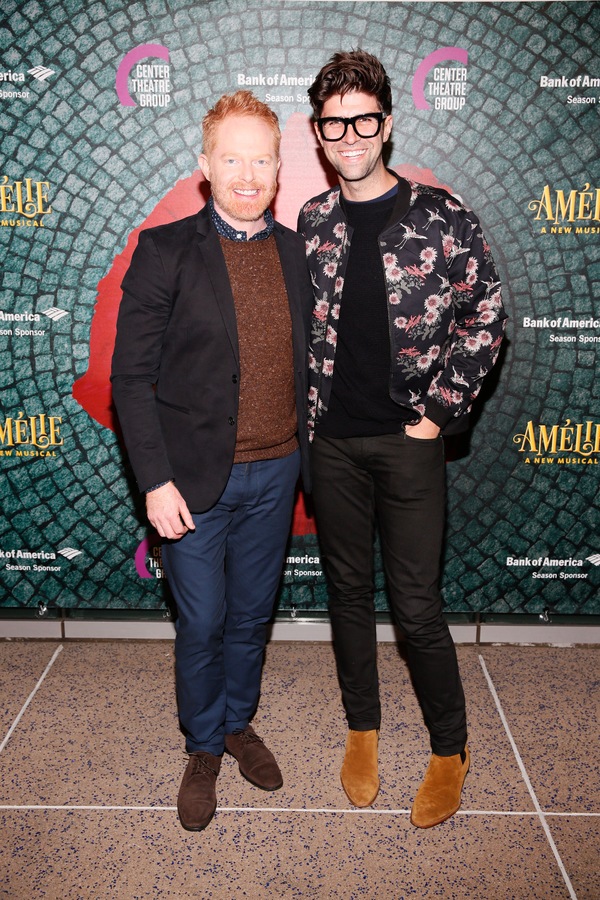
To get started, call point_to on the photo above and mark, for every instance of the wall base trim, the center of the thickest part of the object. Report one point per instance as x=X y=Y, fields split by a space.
x=296 y=630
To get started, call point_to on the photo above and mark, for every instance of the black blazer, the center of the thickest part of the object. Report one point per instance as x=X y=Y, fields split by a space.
x=175 y=368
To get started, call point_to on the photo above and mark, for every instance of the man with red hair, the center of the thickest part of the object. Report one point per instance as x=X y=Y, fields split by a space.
x=209 y=381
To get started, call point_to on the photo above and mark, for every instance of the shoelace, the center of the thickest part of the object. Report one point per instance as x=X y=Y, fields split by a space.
x=200 y=763
x=249 y=737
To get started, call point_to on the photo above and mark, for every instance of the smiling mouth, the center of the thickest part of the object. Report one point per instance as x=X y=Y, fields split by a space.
x=246 y=192
x=352 y=154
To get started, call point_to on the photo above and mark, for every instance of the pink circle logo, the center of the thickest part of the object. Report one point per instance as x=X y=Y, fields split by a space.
x=142 y=553
x=129 y=61
x=444 y=54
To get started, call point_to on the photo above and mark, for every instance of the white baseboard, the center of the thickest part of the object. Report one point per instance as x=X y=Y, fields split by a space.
x=296 y=630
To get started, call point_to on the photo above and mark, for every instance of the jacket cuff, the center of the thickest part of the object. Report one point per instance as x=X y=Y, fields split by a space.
x=155 y=487
x=437 y=413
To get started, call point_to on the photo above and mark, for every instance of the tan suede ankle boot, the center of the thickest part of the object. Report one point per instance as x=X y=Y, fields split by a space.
x=360 y=778
x=438 y=798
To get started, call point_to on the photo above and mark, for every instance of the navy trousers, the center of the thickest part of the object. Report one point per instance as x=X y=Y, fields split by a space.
x=224 y=578
x=397 y=482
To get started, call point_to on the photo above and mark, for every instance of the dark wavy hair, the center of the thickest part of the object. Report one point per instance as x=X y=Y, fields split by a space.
x=355 y=70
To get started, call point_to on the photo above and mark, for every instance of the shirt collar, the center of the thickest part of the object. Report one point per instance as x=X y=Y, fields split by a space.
x=387 y=196
x=225 y=230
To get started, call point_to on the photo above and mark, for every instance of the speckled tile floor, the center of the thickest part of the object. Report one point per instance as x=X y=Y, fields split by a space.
x=91 y=758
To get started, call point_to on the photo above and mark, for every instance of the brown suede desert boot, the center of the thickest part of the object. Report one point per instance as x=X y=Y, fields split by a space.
x=257 y=763
x=197 y=798
x=438 y=798
x=359 y=774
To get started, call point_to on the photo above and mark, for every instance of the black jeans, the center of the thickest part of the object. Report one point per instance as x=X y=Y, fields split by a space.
x=399 y=482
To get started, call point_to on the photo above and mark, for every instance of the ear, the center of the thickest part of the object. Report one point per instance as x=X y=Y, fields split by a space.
x=387 y=128
x=204 y=165
x=318 y=133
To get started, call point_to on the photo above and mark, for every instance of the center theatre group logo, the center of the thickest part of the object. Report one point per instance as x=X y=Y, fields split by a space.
x=41 y=433
x=151 y=82
x=448 y=87
x=148 y=558
x=566 y=212
x=27 y=200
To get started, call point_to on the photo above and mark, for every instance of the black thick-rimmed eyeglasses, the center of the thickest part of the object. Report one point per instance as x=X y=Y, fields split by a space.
x=367 y=125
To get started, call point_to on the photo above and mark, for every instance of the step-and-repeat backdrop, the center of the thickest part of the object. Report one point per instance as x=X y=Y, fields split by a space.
x=100 y=108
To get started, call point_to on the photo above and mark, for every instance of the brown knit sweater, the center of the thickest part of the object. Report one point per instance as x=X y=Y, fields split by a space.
x=267 y=422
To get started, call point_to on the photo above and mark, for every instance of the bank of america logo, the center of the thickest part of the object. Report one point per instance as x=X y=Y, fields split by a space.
x=41 y=72
x=55 y=313
x=595 y=559
x=70 y=552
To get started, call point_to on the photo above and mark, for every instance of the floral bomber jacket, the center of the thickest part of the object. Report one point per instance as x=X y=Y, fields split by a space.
x=446 y=317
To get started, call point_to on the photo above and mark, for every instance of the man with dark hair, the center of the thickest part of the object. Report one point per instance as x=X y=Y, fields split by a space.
x=209 y=380
x=408 y=320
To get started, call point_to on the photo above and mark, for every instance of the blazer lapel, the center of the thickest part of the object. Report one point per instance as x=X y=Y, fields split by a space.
x=210 y=249
x=288 y=257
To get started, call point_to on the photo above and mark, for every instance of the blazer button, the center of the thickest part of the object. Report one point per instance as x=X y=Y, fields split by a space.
x=234 y=378
x=231 y=420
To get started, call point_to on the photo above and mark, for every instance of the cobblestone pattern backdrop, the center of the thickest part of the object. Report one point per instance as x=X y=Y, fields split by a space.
x=103 y=153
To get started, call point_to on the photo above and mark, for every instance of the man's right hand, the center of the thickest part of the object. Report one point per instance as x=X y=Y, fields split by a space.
x=168 y=512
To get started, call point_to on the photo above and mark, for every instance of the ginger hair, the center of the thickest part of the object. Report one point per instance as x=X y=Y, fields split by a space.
x=242 y=103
